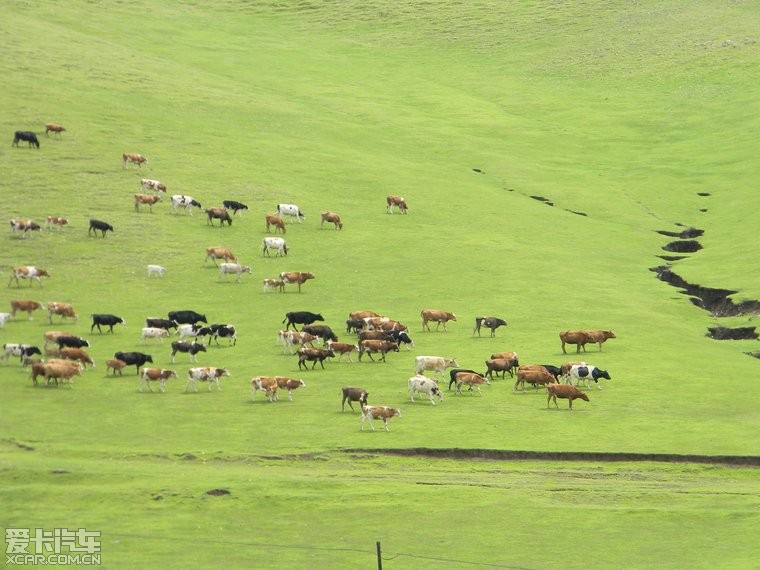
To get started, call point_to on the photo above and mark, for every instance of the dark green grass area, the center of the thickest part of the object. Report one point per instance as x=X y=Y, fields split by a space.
x=627 y=119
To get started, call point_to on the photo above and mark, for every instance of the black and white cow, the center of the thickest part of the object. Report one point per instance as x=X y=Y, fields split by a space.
x=106 y=321
x=234 y=206
x=585 y=372
x=187 y=203
x=27 y=136
x=301 y=318
x=224 y=331
x=400 y=337
x=290 y=210
x=187 y=317
x=20 y=350
x=492 y=323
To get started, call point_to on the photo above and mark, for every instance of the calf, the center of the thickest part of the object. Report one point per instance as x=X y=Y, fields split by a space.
x=220 y=214
x=276 y=222
x=491 y=323
x=351 y=394
x=273 y=285
x=106 y=321
x=313 y=355
x=383 y=347
x=133 y=158
x=290 y=210
x=234 y=206
x=27 y=136
x=332 y=218
x=25 y=306
x=55 y=221
x=300 y=318
x=98 y=225
x=289 y=384
x=564 y=391
x=155 y=270
x=435 y=363
x=378 y=413
x=208 y=374
x=116 y=365
x=341 y=348
x=187 y=203
x=160 y=375
x=64 y=310
x=532 y=374
x=424 y=385
x=275 y=244
x=191 y=348
x=225 y=331
x=439 y=317
x=137 y=358
x=146 y=200
x=397 y=201
x=153 y=332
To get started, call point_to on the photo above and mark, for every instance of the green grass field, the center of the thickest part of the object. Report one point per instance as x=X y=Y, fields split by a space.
x=640 y=116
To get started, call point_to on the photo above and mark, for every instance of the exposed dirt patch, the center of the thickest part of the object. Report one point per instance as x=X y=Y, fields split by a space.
x=738 y=333
x=544 y=200
x=577 y=213
x=672 y=257
x=218 y=492
x=683 y=246
x=688 y=233
x=703 y=193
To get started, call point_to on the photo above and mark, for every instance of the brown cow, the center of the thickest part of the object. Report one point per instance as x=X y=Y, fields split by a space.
x=382 y=346
x=55 y=221
x=146 y=200
x=54 y=128
x=62 y=309
x=581 y=338
x=298 y=277
x=160 y=375
x=215 y=253
x=502 y=365
x=116 y=365
x=533 y=374
x=314 y=355
x=564 y=391
x=333 y=218
x=24 y=305
x=24 y=225
x=397 y=201
x=78 y=354
x=276 y=221
x=440 y=317
x=220 y=214
x=134 y=158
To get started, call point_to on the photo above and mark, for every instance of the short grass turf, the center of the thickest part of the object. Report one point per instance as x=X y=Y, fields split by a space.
x=628 y=119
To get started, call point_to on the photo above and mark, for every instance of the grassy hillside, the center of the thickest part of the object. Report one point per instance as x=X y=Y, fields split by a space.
x=619 y=115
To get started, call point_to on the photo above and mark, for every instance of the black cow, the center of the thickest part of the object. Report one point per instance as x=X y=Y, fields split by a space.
x=554 y=371
x=106 y=321
x=187 y=317
x=354 y=325
x=301 y=318
x=322 y=331
x=492 y=323
x=234 y=206
x=137 y=358
x=192 y=348
x=27 y=136
x=96 y=225
x=71 y=342
x=158 y=323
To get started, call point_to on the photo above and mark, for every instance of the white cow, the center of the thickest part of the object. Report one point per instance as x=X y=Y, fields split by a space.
x=276 y=244
x=156 y=270
x=233 y=269
x=290 y=210
x=153 y=332
x=435 y=363
x=4 y=317
x=424 y=385
x=206 y=374
x=187 y=203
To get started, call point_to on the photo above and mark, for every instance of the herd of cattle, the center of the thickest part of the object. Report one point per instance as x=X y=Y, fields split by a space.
x=64 y=355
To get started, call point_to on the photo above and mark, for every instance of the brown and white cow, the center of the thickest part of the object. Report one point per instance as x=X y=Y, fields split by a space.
x=29 y=272
x=134 y=158
x=53 y=221
x=215 y=253
x=378 y=413
x=54 y=128
x=155 y=185
x=298 y=277
x=25 y=226
x=276 y=222
x=332 y=218
x=341 y=348
x=397 y=201
x=208 y=374
x=160 y=375
x=24 y=305
x=382 y=347
x=64 y=310
x=146 y=200
x=274 y=285
x=267 y=384
x=439 y=317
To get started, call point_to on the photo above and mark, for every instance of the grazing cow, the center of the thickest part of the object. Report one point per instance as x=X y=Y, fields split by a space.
x=492 y=323
x=453 y=375
x=98 y=225
x=382 y=347
x=397 y=201
x=298 y=277
x=191 y=348
x=63 y=309
x=106 y=321
x=378 y=413
x=234 y=206
x=435 y=363
x=3 y=318
x=220 y=214
x=276 y=244
x=267 y=384
x=160 y=323
x=24 y=305
x=533 y=374
x=146 y=200
x=301 y=318
x=148 y=184
x=78 y=354
x=351 y=394
x=332 y=218
x=341 y=348
x=71 y=341
x=313 y=355
x=322 y=331
x=29 y=272
x=581 y=338
x=424 y=385
x=134 y=158
x=276 y=221
x=137 y=358
x=585 y=373
x=116 y=365
x=290 y=210
x=20 y=350
x=55 y=221
x=208 y=374
x=564 y=391
x=27 y=136
x=24 y=225
x=160 y=375
x=214 y=253
x=472 y=379
x=186 y=317
x=157 y=270
x=153 y=332
x=273 y=285
x=440 y=317
x=187 y=203
x=502 y=365
x=54 y=128
x=235 y=269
